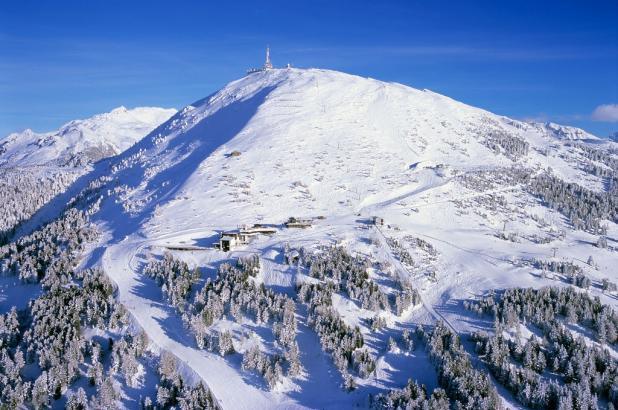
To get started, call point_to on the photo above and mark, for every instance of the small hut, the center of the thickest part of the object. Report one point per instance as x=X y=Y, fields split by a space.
x=376 y=220
x=293 y=222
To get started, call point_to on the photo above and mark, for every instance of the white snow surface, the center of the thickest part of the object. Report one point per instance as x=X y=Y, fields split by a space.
x=565 y=132
x=81 y=141
x=313 y=143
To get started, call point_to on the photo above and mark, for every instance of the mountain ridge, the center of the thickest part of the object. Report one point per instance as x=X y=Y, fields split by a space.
x=79 y=142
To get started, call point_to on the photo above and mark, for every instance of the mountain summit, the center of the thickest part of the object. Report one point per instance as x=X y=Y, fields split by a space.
x=312 y=142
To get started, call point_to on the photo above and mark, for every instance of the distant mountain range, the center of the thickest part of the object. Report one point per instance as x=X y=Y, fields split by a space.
x=81 y=142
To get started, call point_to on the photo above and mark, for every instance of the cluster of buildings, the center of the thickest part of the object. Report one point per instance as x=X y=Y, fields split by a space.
x=228 y=240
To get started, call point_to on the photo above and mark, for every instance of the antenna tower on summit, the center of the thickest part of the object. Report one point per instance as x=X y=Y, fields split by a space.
x=267 y=64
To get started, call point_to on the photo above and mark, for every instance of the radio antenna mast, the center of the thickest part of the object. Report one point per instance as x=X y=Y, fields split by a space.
x=268 y=65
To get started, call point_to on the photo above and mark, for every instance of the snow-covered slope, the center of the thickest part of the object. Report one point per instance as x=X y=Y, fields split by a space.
x=565 y=132
x=319 y=143
x=316 y=142
x=82 y=141
x=35 y=167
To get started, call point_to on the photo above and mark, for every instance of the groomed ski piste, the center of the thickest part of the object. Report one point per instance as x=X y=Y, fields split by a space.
x=339 y=150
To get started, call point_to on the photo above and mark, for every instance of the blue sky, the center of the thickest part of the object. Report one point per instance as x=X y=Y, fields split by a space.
x=545 y=60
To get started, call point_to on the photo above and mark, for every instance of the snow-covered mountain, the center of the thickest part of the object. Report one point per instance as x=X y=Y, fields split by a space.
x=321 y=142
x=35 y=167
x=306 y=143
x=471 y=202
x=80 y=142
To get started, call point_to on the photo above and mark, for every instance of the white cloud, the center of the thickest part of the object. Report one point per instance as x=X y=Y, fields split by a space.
x=606 y=113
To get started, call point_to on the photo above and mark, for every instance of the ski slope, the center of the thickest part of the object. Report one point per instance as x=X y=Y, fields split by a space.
x=312 y=142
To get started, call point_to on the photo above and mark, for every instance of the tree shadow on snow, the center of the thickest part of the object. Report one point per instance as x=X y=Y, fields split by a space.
x=321 y=386
x=208 y=240
x=93 y=257
x=148 y=289
x=471 y=319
